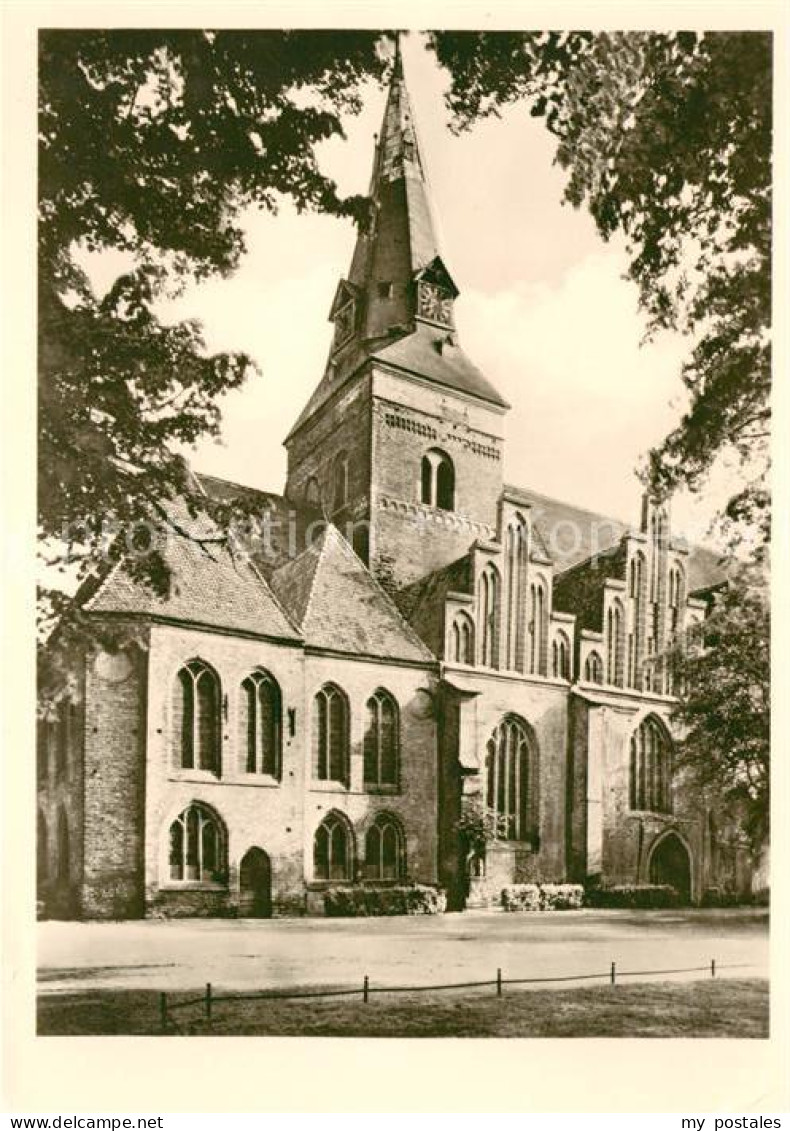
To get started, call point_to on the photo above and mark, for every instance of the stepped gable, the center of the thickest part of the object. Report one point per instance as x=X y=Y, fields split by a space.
x=210 y=587
x=574 y=535
x=339 y=606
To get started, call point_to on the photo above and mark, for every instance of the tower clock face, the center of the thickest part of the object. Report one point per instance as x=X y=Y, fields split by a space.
x=434 y=303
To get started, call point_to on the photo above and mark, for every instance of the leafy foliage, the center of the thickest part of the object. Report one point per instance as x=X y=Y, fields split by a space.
x=151 y=145
x=724 y=708
x=667 y=139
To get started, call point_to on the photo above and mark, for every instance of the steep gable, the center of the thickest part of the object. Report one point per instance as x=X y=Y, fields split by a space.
x=339 y=606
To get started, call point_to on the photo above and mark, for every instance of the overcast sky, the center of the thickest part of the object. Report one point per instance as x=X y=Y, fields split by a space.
x=544 y=311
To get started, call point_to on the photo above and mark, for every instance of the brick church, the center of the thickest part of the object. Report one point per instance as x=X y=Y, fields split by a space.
x=413 y=639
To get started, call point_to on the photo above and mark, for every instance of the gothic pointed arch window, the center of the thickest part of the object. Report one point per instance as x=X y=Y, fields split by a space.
x=437 y=480
x=197 y=846
x=516 y=553
x=560 y=656
x=260 y=724
x=512 y=780
x=650 y=767
x=593 y=668
x=462 y=639
x=488 y=615
x=196 y=718
x=331 y=735
x=614 y=644
x=333 y=849
x=381 y=746
x=538 y=627
x=385 y=849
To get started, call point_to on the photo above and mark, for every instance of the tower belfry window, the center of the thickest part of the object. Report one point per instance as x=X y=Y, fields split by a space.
x=437 y=480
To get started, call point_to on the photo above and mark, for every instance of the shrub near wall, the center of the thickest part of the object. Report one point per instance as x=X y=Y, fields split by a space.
x=351 y=902
x=542 y=897
x=641 y=896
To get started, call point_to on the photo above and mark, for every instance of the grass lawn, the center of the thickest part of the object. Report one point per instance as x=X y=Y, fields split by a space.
x=726 y=1008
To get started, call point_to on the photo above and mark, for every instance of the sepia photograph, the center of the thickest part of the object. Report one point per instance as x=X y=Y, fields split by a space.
x=404 y=521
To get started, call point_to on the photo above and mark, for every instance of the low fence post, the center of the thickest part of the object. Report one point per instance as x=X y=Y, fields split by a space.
x=163 y=1010
x=499 y=982
x=612 y=974
x=208 y=1001
x=365 y=989
x=713 y=967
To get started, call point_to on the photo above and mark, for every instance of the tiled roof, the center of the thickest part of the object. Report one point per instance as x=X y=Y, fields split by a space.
x=288 y=528
x=418 y=353
x=340 y=606
x=574 y=534
x=209 y=586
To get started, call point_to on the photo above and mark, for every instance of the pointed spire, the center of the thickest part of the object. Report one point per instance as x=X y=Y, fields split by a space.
x=398 y=289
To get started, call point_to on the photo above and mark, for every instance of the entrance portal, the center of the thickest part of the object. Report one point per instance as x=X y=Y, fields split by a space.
x=255 y=883
x=670 y=864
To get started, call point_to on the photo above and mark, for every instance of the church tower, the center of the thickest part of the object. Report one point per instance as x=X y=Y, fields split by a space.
x=401 y=443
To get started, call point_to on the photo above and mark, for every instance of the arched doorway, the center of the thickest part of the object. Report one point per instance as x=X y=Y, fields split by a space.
x=255 y=883
x=670 y=864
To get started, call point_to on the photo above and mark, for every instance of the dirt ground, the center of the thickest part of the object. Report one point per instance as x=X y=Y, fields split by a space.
x=179 y=955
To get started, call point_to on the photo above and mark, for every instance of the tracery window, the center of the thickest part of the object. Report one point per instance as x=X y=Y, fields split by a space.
x=333 y=849
x=330 y=735
x=381 y=747
x=196 y=718
x=511 y=779
x=385 y=853
x=197 y=847
x=650 y=769
x=462 y=640
x=260 y=724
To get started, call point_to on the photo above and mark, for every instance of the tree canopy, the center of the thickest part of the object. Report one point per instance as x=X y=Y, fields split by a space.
x=666 y=139
x=151 y=145
x=725 y=704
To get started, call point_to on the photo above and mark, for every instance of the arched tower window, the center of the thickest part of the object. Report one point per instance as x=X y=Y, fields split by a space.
x=197 y=852
x=385 y=851
x=437 y=480
x=593 y=668
x=650 y=768
x=330 y=735
x=382 y=740
x=196 y=718
x=488 y=607
x=340 y=481
x=462 y=639
x=560 y=656
x=512 y=780
x=333 y=849
x=312 y=493
x=516 y=551
x=677 y=599
x=260 y=724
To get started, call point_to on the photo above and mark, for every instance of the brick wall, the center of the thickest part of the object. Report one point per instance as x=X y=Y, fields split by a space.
x=115 y=784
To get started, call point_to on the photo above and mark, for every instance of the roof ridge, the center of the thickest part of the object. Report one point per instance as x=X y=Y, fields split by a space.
x=576 y=506
x=323 y=537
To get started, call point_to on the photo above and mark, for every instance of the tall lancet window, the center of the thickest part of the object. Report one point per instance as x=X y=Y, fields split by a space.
x=488 y=607
x=538 y=627
x=637 y=581
x=516 y=550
